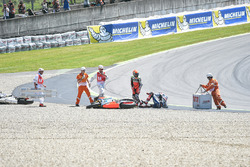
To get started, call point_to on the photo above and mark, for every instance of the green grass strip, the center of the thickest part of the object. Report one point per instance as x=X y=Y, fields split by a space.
x=108 y=53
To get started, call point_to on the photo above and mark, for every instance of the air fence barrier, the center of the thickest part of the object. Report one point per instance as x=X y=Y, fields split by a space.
x=27 y=43
x=134 y=29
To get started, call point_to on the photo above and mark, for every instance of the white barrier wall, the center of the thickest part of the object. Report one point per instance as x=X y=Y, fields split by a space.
x=27 y=43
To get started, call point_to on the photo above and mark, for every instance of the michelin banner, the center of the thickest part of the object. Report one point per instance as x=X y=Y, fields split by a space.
x=125 y=31
x=157 y=27
x=248 y=13
x=229 y=16
x=100 y=34
x=162 y=26
x=193 y=21
x=113 y=32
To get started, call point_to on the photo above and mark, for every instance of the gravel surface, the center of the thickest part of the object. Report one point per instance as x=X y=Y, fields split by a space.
x=64 y=135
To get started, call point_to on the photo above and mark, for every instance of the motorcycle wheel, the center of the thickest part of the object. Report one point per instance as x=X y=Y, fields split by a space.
x=127 y=105
x=24 y=101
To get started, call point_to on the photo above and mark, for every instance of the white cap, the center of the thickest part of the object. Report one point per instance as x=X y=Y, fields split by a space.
x=100 y=67
x=40 y=69
x=83 y=68
x=209 y=75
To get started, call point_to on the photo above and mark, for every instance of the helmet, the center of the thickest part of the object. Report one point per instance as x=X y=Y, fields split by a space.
x=83 y=69
x=135 y=73
x=40 y=69
x=100 y=67
x=209 y=75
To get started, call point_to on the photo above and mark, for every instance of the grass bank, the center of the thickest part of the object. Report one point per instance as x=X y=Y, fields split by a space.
x=108 y=53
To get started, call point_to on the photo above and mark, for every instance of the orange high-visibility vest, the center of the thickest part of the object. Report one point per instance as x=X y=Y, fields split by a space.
x=83 y=78
x=211 y=85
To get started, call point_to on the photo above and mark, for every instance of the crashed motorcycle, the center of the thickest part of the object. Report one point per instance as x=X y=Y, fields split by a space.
x=110 y=103
x=10 y=99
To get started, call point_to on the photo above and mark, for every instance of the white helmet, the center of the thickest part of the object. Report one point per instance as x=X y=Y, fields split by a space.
x=100 y=67
x=83 y=68
x=209 y=75
x=40 y=69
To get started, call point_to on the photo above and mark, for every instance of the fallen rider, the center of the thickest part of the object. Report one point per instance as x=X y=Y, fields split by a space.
x=159 y=99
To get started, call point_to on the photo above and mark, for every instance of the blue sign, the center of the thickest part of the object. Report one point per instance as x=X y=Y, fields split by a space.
x=162 y=26
x=234 y=15
x=125 y=31
x=200 y=20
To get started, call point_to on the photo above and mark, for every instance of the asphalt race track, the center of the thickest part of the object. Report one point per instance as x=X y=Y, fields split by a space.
x=177 y=73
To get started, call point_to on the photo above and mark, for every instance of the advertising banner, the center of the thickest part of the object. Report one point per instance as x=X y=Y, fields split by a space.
x=100 y=34
x=162 y=26
x=248 y=13
x=125 y=31
x=193 y=21
x=182 y=24
x=157 y=27
x=229 y=16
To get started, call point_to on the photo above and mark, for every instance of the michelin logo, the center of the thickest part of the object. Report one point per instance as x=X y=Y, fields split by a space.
x=199 y=20
x=145 y=32
x=126 y=30
x=163 y=25
x=183 y=25
x=234 y=15
x=103 y=36
x=218 y=20
x=248 y=12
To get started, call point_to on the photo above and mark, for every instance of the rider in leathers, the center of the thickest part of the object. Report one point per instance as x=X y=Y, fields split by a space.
x=136 y=86
x=159 y=99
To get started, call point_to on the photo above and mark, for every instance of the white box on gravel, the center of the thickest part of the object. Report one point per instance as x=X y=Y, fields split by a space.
x=202 y=101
